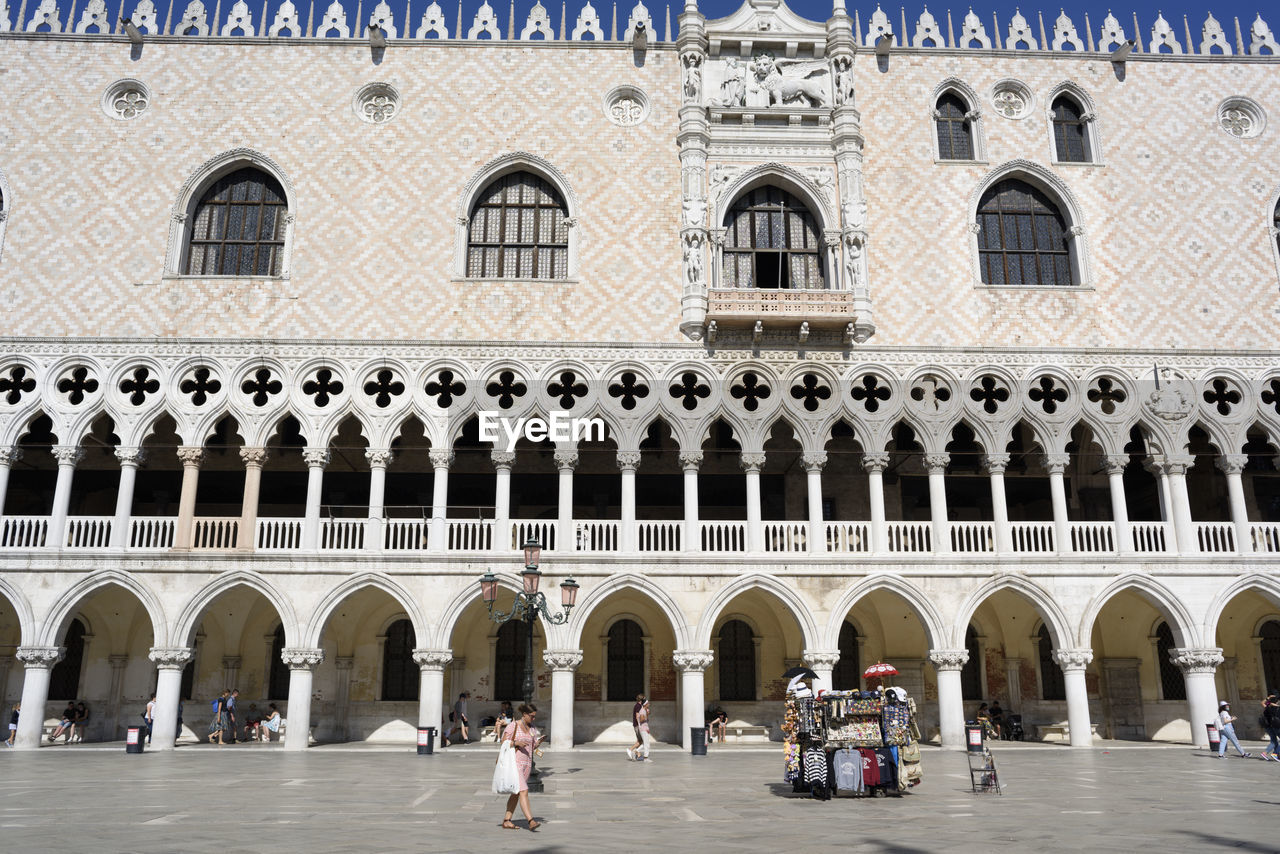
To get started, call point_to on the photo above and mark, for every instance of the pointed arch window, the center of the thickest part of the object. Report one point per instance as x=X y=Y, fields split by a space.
x=509 y=661
x=400 y=674
x=238 y=227
x=971 y=673
x=1052 y=685
x=1173 y=686
x=278 y=682
x=737 y=661
x=772 y=241
x=1022 y=237
x=847 y=675
x=64 y=681
x=626 y=660
x=1070 y=131
x=1270 y=649
x=955 y=131
x=519 y=229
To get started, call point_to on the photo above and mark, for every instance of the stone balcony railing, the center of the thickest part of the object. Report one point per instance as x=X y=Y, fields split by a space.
x=595 y=536
x=745 y=306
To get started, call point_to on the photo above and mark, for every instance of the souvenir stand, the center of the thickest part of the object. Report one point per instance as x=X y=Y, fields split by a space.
x=859 y=743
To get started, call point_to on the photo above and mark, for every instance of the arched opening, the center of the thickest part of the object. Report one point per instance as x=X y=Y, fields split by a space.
x=238 y=226
x=772 y=241
x=1070 y=131
x=722 y=488
x=489 y=661
x=1053 y=686
x=64 y=679
x=955 y=132
x=400 y=673
x=1248 y=632
x=971 y=673
x=626 y=661
x=1172 y=685
x=519 y=229
x=737 y=661
x=1022 y=236
x=278 y=671
x=847 y=675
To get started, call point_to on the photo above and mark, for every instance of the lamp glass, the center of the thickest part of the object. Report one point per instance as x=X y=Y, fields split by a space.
x=489 y=588
x=532 y=552
x=568 y=593
x=531 y=577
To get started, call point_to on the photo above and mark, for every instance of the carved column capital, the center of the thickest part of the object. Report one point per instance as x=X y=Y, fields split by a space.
x=751 y=462
x=1196 y=660
x=1055 y=463
x=68 y=455
x=432 y=659
x=440 y=459
x=1073 y=659
x=253 y=457
x=1115 y=463
x=1233 y=463
x=562 y=659
x=191 y=456
x=628 y=460
x=936 y=463
x=691 y=461
x=566 y=460
x=10 y=455
x=1174 y=464
x=230 y=662
x=995 y=463
x=131 y=456
x=315 y=457
x=821 y=658
x=814 y=462
x=695 y=660
x=949 y=659
x=379 y=458
x=876 y=461
x=344 y=662
x=503 y=459
x=39 y=656
x=301 y=658
x=170 y=657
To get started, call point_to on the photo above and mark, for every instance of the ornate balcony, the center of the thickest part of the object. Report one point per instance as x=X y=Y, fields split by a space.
x=798 y=310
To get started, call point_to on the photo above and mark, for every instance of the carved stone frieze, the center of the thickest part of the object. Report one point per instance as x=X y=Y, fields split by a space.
x=949 y=659
x=562 y=659
x=695 y=660
x=432 y=659
x=299 y=658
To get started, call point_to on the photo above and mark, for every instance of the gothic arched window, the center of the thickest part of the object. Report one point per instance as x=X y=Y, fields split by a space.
x=955 y=132
x=737 y=662
x=1052 y=685
x=1022 y=237
x=1270 y=648
x=1070 y=131
x=847 y=675
x=1173 y=686
x=64 y=681
x=399 y=671
x=772 y=241
x=970 y=674
x=626 y=660
x=278 y=682
x=519 y=229
x=509 y=661
x=238 y=227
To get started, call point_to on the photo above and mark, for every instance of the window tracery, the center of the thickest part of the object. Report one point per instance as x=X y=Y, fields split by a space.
x=772 y=241
x=238 y=227
x=1022 y=237
x=519 y=229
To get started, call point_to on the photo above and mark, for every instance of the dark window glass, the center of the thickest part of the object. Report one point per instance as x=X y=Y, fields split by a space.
x=626 y=660
x=188 y=680
x=1172 y=683
x=279 y=683
x=737 y=662
x=955 y=133
x=1271 y=655
x=1023 y=237
x=519 y=229
x=970 y=676
x=847 y=675
x=64 y=681
x=1070 y=135
x=1052 y=685
x=771 y=241
x=238 y=227
x=509 y=661
x=399 y=670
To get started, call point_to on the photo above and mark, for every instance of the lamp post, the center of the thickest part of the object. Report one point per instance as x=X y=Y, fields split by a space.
x=528 y=604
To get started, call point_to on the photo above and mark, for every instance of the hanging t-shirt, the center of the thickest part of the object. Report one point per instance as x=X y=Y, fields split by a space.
x=887 y=765
x=870 y=770
x=815 y=766
x=848 y=770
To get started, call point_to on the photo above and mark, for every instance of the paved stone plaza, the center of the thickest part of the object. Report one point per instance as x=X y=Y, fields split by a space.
x=252 y=798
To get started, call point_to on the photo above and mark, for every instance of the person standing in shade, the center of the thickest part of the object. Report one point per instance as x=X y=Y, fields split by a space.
x=219 y=723
x=460 y=718
x=1227 y=731
x=231 y=714
x=13 y=724
x=1271 y=721
x=635 y=725
x=150 y=716
x=522 y=738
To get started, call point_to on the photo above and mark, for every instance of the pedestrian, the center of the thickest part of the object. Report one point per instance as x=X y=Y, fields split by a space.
x=645 y=736
x=13 y=724
x=719 y=720
x=1227 y=732
x=219 y=722
x=459 y=718
x=1271 y=725
x=231 y=714
x=150 y=716
x=525 y=740
x=635 y=725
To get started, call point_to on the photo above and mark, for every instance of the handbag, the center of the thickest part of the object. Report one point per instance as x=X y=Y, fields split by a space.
x=506 y=777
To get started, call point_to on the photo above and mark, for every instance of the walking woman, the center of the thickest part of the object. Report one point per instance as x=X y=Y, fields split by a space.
x=524 y=739
x=1227 y=731
x=219 y=723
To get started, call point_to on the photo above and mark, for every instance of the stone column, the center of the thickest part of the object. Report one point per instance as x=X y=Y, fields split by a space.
x=1232 y=465
x=936 y=466
x=503 y=461
x=68 y=457
x=996 y=465
x=440 y=462
x=8 y=456
x=1115 y=465
x=253 y=460
x=191 y=458
x=316 y=460
x=691 y=663
x=38 y=661
x=1074 y=663
x=378 y=461
x=342 y=702
x=813 y=465
x=948 y=663
x=690 y=462
x=566 y=462
x=874 y=464
x=1198 y=667
x=1175 y=469
x=302 y=663
x=628 y=463
x=823 y=663
x=431 y=664
x=1056 y=465
x=130 y=459
x=751 y=464
x=563 y=662
x=170 y=662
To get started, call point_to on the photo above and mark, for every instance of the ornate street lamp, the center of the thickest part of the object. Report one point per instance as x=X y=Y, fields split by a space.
x=528 y=605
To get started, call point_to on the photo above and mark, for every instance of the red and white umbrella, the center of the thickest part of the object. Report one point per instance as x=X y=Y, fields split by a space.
x=880 y=670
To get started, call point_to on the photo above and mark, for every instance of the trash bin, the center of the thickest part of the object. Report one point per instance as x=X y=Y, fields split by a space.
x=1214 y=738
x=697 y=741
x=973 y=737
x=133 y=740
x=426 y=740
